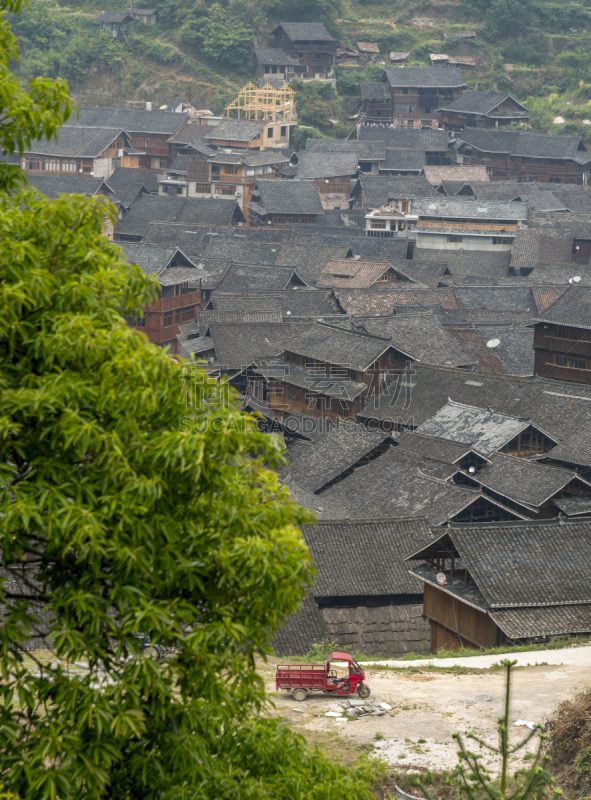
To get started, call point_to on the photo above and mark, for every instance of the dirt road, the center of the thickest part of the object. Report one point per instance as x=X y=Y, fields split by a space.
x=429 y=706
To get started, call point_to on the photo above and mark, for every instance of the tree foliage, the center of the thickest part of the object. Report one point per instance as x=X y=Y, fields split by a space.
x=220 y=33
x=135 y=497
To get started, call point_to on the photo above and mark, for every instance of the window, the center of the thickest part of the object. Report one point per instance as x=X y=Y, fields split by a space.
x=451 y=237
x=570 y=333
x=230 y=170
x=178 y=316
x=555 y=179
x=283 y=131
x=377 y=225
x=292 y=394
x=405 y=91
x=188 y=313
x=167 y=322
x=386 y=276
x=274 y=70
x=312 y=401
x=267 y=68
x=269 y=133
x=158 y=163
x=570 y=361
x=227 y=190
x=404 y=109
x=501 y=240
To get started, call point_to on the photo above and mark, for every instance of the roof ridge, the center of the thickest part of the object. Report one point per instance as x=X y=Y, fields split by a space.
x=364 y=520
x=487 y=409
x=354 y=331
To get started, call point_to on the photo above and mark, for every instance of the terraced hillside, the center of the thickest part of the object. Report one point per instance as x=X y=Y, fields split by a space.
x=201 y=51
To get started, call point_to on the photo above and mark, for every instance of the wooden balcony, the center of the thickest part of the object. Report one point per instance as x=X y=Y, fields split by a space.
x=476 y=226
x=574 y=374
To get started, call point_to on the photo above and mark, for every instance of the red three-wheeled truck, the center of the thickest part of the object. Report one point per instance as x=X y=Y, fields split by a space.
x=302 y=679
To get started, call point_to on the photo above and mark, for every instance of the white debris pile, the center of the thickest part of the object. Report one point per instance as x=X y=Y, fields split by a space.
x=361 y=708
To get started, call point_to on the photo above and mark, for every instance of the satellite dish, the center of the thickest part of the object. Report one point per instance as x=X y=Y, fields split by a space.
x=493 y=343
x=472 y=470
x=441 y=579
x=577 y=279
x=288 y=313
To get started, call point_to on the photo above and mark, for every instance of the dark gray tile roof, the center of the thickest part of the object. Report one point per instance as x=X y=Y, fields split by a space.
x=319 y=382
x=237 y=130
x=484 y=429
x=525 y=564
x=244 y=250
x=454 y=586
x=482 y=103
x=515 y=349
x=321 y=507
x=544 y=296
x=179 y=164
x=237 y=346
x=573 y=506
x=403 y=160
x=334 y=345
x=303 y=303
x=76 y=142
x=275 y=56
x=130 y=121
x=468 y=209
x=313 y=465
x=374 y=90
x=141 y=177
x=533 y=246
x=434 y=448
x=310 y=259
x=366 y=151
x=379 y=249
x=378 y=567
x=348 y=272
x=571 y=309
x=497 y=298
x=191 y=240
x=113 y=16
x=252 y=278
x=380 y=189
x=425 y=77
x=427 y=273
x=192 y=347
x=313 y=164
x=419 y=337
x=150 y=208
x=424 y=139
x=577 y=202
x=559 y=408
x=289 y=197
x=395 y=485
x=560 y=274
x=521 y=623
x=524 y=481
x=576 y=448
x=468 y=262
x=474 y=343
x=51 y=186
x=204 y=318
x=351 y=221
x=152 y=258
x=528 y=144
x=304 y=31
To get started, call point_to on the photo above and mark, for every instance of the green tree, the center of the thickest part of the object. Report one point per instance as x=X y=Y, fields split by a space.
x=220 y=35
x=135 y=497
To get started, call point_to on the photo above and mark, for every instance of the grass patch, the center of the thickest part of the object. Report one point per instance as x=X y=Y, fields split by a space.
x=467 y=652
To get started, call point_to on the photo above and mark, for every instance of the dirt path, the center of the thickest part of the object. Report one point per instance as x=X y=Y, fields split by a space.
x=428 y=708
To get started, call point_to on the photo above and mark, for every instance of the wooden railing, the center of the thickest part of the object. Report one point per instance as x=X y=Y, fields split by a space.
x=477 y=226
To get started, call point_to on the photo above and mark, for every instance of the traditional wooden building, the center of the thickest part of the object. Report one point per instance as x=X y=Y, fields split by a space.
x=481 y=110
x=376 y=606
x=117 y=22
x=82 y=151
x=257 y=118
x=282 y=202
x=376 y=102
x=332 y=173
x=418 y=92
x=525 y=156
x=147 y=16
x=562 y=339
x=488 y=431
x=311 y=44
x=508 y=583
x=180 y=292
x=275 y=67
x=149 y=131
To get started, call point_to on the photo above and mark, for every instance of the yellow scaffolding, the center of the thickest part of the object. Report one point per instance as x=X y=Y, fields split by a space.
x=269 y=104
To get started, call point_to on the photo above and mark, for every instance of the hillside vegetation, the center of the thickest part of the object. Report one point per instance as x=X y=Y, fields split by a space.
x=201 y=51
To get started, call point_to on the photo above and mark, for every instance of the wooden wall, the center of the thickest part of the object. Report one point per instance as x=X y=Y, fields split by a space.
x=455 y=624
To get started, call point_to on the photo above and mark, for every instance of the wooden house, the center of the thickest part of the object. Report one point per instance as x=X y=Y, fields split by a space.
x=374 y=607
x=281 y=202
x=331 y=172
x=376 y=102
x=488 y=431
x=417 y=92
x=369 y=51
x=83 y=151
x=481 y=110
x=274 y=66
x=117 y=22
x=562 y=339
x=503 y=584
x=148 y=16
x=513 y=155
x=311 y=44
x=180 y=292
x=149 y=131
